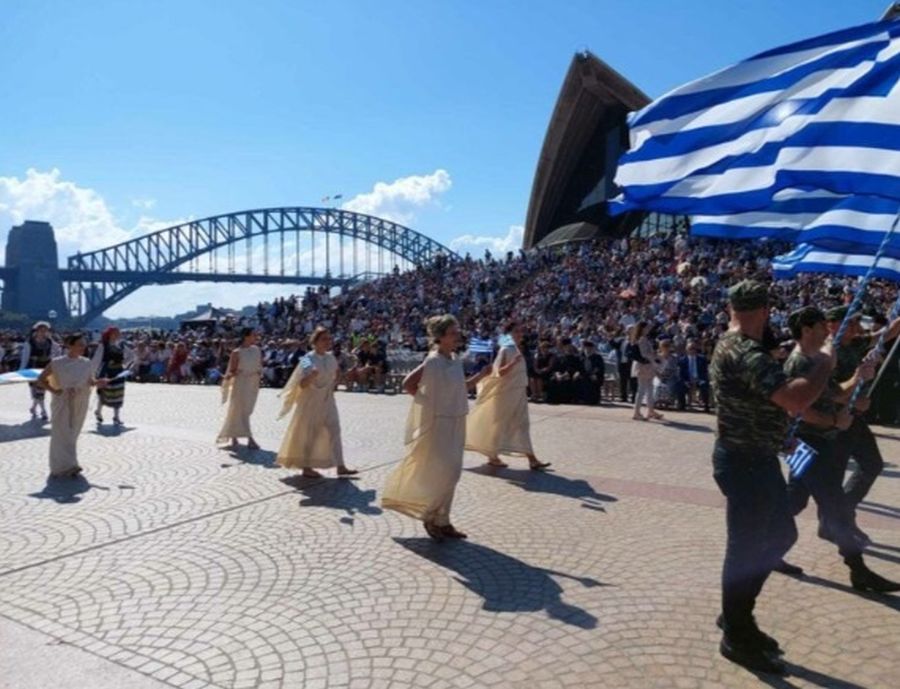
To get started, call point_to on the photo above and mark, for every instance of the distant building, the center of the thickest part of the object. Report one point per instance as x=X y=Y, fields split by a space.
x=575 y=174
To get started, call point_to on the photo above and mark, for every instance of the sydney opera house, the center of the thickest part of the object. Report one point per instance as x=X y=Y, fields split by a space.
x=575 y=171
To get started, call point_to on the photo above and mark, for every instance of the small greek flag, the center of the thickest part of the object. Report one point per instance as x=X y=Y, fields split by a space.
x=506 y=341
x=26 y=375
x=306 y=363
x=800 y=459
x=124 y=374
x=478 y=345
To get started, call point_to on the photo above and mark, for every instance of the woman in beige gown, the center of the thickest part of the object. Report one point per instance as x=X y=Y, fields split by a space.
x=313 y=437
x=240 y=388
x=422 y=486
x=70 y=378
x=499 y=421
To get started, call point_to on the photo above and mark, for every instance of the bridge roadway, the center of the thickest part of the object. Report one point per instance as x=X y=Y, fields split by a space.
x=173 y=564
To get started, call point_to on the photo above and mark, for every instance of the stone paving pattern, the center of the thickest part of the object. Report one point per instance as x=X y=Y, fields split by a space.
x=199 y=567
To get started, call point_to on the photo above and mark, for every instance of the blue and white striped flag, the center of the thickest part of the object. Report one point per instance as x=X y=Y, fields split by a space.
x=800 y=459
x=806 y=258
x=479 y=345
x=506 y=341
x=832 y=221
x=26 y=375
x=306 y=363
x=819 y=114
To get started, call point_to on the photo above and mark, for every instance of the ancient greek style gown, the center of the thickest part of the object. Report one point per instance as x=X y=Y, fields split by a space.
x=240 y=393
x=313 y=436
x=68 y=410
x=499 y=422
x=422 y=486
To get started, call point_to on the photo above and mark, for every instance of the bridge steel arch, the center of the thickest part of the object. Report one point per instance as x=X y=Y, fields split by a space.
x=98 y=279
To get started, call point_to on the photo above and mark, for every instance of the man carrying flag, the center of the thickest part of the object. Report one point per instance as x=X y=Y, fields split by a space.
x=753 y=398
x=819 y=429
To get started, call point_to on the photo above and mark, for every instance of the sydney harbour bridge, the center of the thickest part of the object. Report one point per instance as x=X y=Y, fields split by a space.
x=289 y=246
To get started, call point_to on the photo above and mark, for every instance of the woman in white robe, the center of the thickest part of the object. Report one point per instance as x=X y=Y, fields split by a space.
x=240 y=388
x=70 y=378
x=499 y=422
x=313 y=437
x=423 y=485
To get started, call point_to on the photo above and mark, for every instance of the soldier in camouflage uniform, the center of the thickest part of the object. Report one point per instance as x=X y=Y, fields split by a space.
x=753 y=398
x=858 y=440
x=820 y=427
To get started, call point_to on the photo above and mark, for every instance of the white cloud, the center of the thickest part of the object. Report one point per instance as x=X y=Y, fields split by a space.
x=79 y=215
x=143 y=204
x=498 y=245
x=399 y=200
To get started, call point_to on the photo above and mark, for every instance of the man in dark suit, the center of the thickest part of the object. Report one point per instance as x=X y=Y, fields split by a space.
x=594 y=371
x=693 y=376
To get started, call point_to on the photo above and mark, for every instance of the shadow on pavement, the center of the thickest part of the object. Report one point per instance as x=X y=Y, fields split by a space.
x=33 y=428
x=65 y=490
x=243 y=454
x=890 y=600
x=505 y=583
x=550 y=483
x=111 y=431
x=338 y=494
x=682 y=426
x=811 y=676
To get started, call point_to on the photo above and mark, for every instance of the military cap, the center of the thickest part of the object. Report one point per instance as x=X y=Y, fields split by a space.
x=839 y=313
x=748 y=295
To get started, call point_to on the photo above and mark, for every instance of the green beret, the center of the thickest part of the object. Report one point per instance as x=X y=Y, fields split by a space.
x=748 y=295
x=839 y=313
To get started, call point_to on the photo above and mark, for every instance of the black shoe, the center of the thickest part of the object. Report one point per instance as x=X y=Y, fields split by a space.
x=866 y=580
x=751 y=657
x=861 y=536
x=757 y=636
x=787 y=568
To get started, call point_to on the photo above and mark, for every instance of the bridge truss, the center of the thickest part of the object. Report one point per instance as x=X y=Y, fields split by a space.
x=293 y=245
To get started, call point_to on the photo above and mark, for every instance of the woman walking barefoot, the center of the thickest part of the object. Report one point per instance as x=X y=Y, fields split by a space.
x=70 y=379
x=499 y=421
x=313 y=437
x=422 y=487
x=240 y=388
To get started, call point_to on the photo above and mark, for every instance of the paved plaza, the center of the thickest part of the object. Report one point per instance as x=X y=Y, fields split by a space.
x=174 y=564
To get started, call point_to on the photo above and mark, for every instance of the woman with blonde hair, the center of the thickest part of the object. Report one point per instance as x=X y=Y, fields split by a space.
x=499 y=421
x=313 y=437
x=423 y=485
x=240 y=388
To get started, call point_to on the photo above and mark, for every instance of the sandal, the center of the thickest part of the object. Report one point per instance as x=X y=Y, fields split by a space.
x=344 y=471
x=451 y=531
x=538 y=466
x=252 y=444
x=497 y=462
x=311 y=473
x=436 y=532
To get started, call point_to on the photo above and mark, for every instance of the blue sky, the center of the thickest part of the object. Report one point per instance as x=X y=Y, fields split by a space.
x=134 y=115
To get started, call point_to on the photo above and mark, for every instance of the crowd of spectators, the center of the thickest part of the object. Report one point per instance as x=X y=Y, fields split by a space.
x=580 y=304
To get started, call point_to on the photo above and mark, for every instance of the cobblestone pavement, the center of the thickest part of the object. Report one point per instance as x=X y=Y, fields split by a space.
x=197 y=567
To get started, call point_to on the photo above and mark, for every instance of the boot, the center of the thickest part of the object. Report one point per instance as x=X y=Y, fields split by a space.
x=756 y=636
x=750 y=656
x=864 y=579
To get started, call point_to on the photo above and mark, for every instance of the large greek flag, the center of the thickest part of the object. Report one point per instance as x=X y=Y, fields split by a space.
x=819 y=114
x=806 y=258
x=831 y=221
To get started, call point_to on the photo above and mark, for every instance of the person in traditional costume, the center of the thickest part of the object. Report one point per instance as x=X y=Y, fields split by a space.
x=499 y=421
x=37 y=352
x=422 y=486
x=240 y=388
x=110 y=360
x=313 y=437
x=70 y=378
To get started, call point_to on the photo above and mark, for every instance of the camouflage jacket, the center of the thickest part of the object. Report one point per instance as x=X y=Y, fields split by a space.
x=744 y=376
